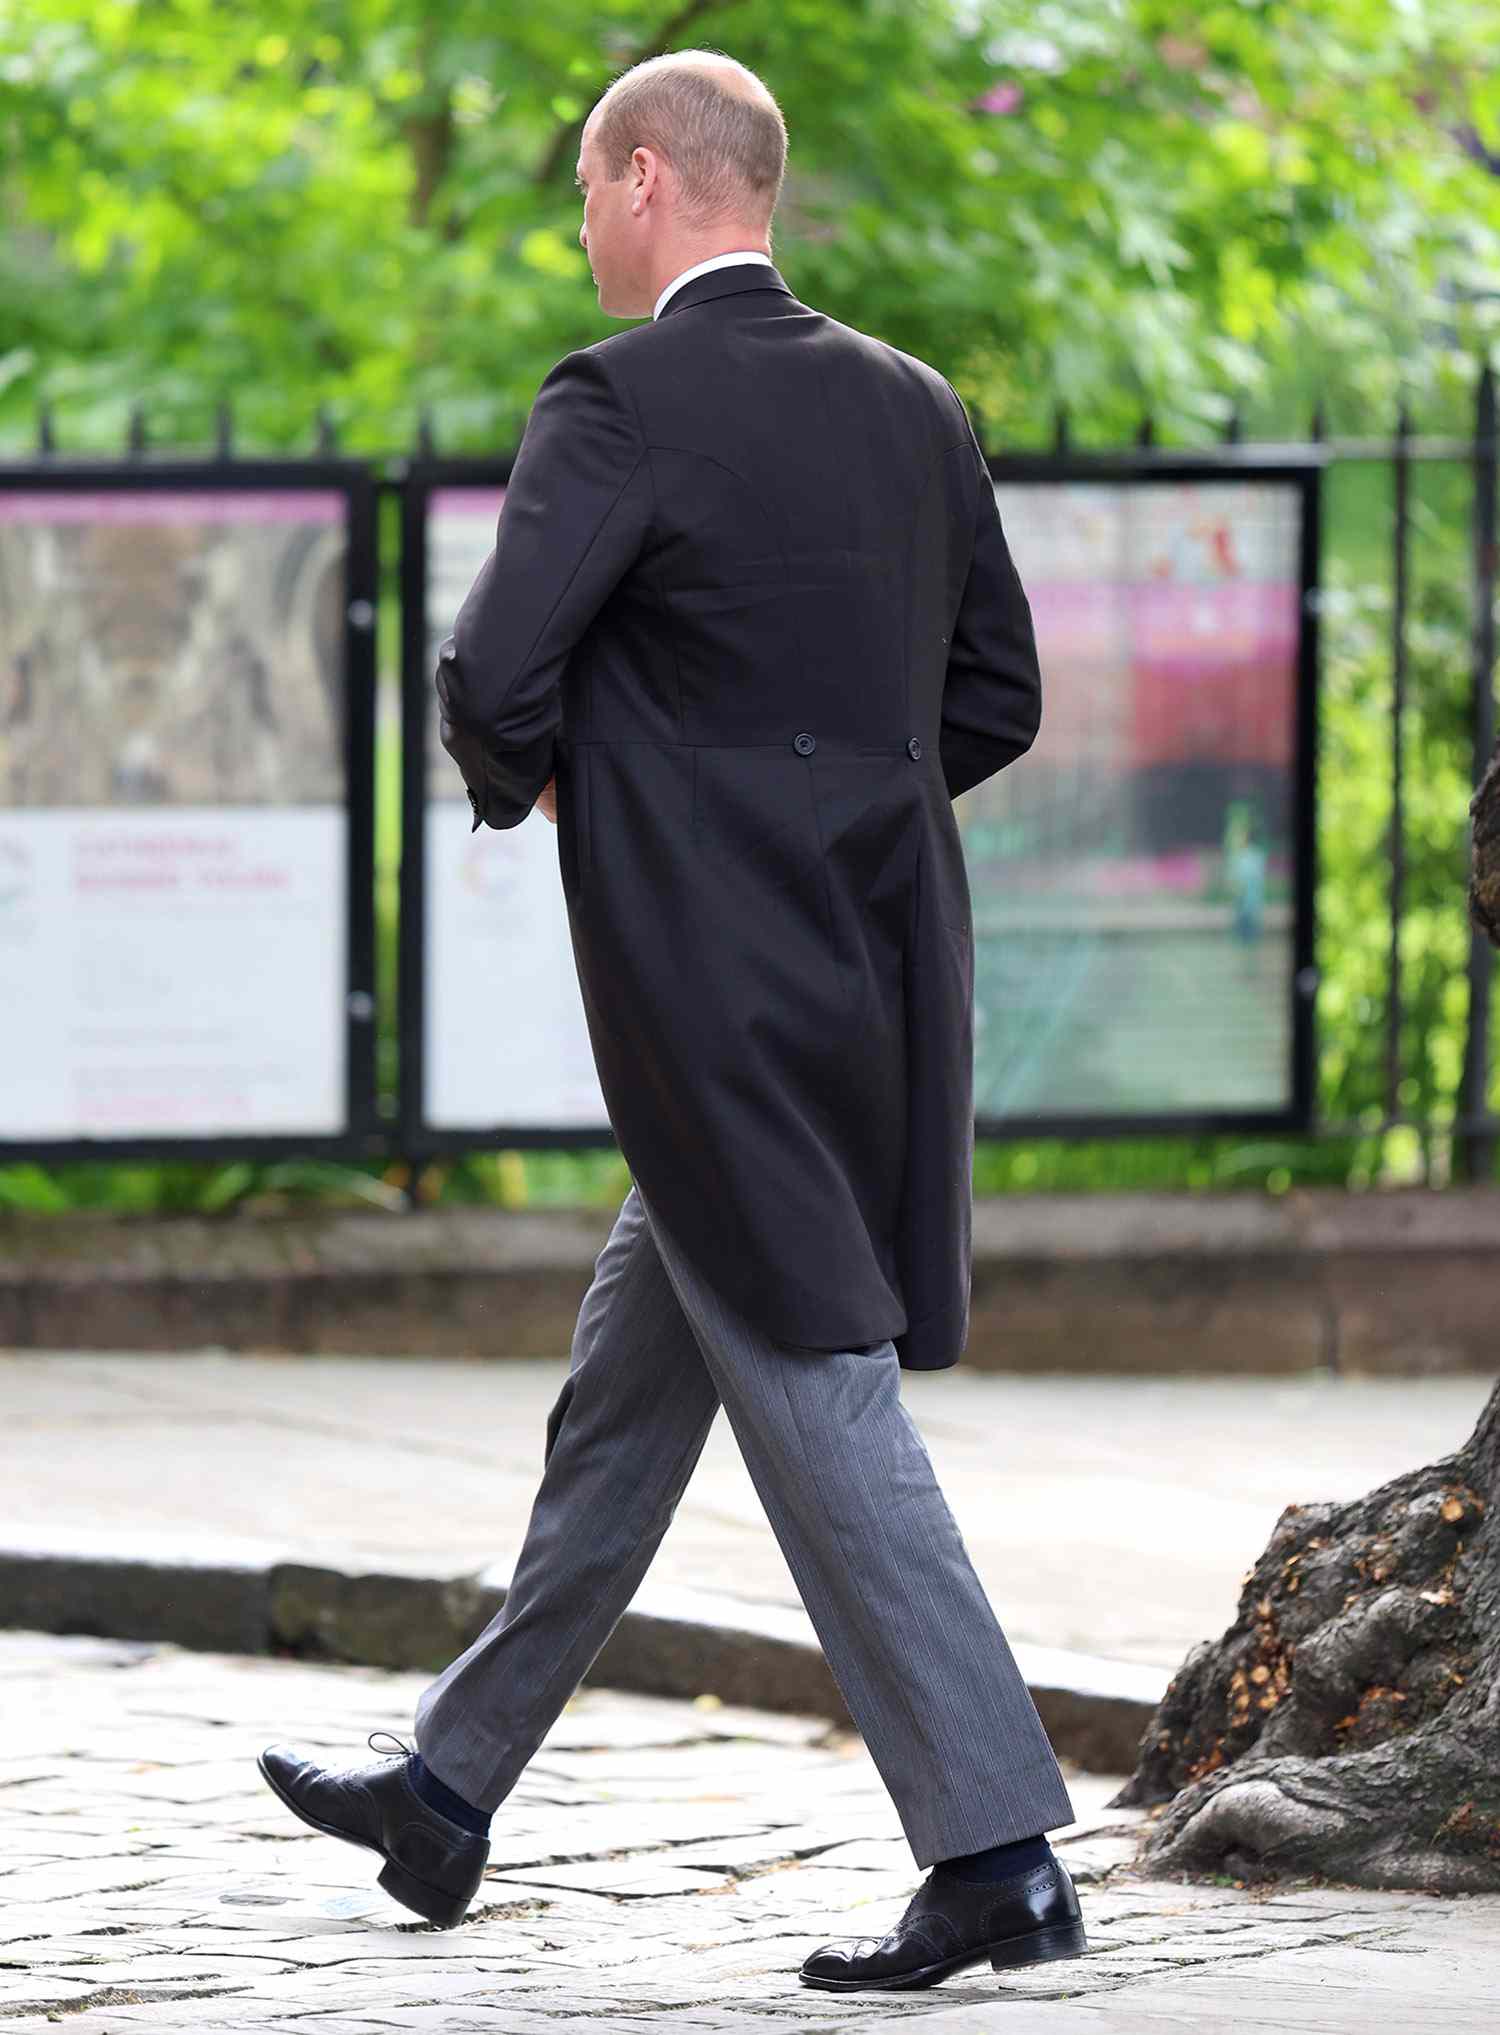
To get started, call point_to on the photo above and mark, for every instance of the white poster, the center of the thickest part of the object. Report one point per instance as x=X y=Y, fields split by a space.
x=173 y=888
x=1133 y=877
x=176 y=973
x=506 y=1037
x=506 y=1040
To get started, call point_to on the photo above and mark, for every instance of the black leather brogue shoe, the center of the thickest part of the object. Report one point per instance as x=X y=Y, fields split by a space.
x=950 y=1923
x=432 y=1865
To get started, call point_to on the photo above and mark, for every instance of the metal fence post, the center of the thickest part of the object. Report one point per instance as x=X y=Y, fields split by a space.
x=1400 y=557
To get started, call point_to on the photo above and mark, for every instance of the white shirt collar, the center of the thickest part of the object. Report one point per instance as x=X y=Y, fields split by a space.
x=701 y=268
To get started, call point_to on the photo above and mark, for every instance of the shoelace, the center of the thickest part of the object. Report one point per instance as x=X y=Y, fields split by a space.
x=406 y=1752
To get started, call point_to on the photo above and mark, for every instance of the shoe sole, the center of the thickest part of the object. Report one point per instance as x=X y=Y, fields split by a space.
x=1059 y=1939
x=432 y=1903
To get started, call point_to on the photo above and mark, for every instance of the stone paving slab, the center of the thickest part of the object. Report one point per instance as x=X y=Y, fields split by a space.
x=662 y=1865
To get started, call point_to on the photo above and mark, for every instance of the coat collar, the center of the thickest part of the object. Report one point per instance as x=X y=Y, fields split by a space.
x=733 y=280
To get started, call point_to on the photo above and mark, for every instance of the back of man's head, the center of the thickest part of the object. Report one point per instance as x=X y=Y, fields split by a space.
x=713 y=121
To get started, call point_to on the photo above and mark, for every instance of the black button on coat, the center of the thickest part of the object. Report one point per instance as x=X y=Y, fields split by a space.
x=751 y=602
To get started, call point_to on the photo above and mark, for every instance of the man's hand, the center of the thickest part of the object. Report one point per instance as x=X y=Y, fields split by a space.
x=547 y=802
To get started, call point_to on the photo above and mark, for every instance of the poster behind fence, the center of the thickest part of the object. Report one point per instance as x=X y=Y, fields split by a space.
x=1132 y=875
x=173 y=904
x=506 y=1039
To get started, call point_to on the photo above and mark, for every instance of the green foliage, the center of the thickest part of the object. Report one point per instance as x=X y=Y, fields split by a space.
x=1121 y=204
x=1354 y=886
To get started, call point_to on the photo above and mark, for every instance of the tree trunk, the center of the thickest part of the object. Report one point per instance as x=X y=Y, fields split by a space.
x=1348 y=1723
x=1484 y=882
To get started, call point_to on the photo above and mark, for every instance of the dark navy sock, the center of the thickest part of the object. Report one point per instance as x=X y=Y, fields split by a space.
x=1001 y=1860
x=438 y=1795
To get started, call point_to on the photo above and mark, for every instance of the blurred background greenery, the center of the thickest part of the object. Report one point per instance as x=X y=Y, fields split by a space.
x=364 y=209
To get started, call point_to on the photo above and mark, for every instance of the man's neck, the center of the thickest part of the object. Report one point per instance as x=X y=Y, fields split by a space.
x=735 y=252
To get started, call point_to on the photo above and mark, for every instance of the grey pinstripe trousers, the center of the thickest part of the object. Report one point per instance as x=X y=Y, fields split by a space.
x=849 y=1490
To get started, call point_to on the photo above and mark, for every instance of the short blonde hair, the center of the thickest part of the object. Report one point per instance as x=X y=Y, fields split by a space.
x=712 y=119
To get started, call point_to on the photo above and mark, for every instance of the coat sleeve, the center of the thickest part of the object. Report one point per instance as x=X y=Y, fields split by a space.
x=992 y=693
x=572 y=523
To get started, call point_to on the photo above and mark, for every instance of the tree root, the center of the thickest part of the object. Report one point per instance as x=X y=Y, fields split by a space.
x=1348 y=1723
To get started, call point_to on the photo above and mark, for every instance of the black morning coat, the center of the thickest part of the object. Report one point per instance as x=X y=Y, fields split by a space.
x=750 y=601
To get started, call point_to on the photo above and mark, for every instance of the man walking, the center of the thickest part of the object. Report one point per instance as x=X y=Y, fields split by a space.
x=749 y=626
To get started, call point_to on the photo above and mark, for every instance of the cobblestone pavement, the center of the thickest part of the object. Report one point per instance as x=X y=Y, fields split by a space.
x=662 y=1865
